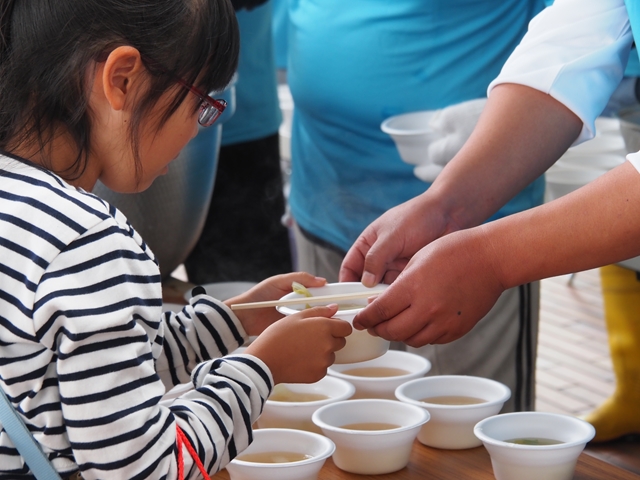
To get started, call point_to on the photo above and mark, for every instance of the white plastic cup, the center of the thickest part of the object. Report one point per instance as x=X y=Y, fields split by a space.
x=360 y=345
x=416 y=366
x=281 y=439
x=451 y=426
x=562 y=181
x=297 y=415
x=534 y=462
x=371 y=452
x=601 y=161
x=412 y=134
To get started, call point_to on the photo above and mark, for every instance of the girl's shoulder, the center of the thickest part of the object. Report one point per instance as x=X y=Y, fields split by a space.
x=67 y=212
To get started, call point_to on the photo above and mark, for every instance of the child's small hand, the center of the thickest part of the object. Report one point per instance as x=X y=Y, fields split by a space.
x=256 y=320
x=300 y=347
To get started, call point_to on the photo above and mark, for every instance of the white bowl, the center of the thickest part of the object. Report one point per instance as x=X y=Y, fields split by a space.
x=360 y=345
x=602 y=161
x=451 y=426
x=602 y=144
x=562 y=181
x=319 y=448
x=630 y=128
x=607 y=126
x=297 y=414
x=372 y=382
x=371 y=452
x=533 y=462
x=411 y=134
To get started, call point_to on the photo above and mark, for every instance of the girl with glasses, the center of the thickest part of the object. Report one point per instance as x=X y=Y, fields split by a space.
x=111 y=90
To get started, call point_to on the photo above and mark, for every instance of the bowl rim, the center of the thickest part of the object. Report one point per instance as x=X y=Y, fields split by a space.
x=285 y=310
x=438 y=406
x=479 y=433
x=384 y=126
x=338 y=374
x=422 y=413
x=351 y=389
x=330 y=447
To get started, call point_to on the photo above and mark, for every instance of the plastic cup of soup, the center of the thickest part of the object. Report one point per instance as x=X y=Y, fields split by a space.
x=360 y=345
x=456 y=403
x=379 y=378
x=281 y=454
x=534 y=445
x=291 y=405
x=372 y=436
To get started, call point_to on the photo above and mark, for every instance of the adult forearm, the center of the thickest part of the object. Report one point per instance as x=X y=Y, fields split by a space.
x=593 y=226
x=521 y=132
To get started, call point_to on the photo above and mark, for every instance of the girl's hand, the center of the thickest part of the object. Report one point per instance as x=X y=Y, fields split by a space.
x=300 y=347
x=256 y=320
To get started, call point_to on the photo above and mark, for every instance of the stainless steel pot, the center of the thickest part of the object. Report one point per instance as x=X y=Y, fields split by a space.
x=170 y=214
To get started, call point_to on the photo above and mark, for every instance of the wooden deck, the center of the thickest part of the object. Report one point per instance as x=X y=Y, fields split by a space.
x=574 y=373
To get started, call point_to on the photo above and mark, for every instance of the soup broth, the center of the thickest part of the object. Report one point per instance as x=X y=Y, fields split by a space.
x=453 y=400
x=283 y=394
x=376 y=372
x=273 y=457
x=534 y=441
x=370 y=426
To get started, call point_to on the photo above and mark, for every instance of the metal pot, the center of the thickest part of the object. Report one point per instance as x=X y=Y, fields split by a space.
x=170 y=214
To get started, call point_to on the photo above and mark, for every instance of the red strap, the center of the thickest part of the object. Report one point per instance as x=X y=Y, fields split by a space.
x=181 y=439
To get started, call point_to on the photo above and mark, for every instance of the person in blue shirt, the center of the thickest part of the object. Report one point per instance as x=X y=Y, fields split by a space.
x=546 y=98
x=353 y=64
x=243 y=238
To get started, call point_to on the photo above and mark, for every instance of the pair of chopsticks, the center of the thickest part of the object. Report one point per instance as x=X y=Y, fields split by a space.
x=297 y=301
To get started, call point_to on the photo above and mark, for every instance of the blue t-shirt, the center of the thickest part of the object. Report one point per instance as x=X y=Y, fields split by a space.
x=280 y=31
x=352 y=65
x=257 y=112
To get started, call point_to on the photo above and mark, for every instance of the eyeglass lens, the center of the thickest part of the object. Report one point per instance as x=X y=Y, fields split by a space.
x=210 y=113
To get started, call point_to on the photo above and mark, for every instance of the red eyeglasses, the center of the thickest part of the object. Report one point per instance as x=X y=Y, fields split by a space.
x=210 y=108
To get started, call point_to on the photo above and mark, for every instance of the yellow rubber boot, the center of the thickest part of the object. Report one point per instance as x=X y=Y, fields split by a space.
x=619 y=415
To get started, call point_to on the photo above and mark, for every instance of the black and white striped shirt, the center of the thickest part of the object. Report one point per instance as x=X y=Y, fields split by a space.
x=86 y=353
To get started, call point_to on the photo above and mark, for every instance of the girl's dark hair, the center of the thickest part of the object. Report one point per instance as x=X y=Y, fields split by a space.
x=48 y=47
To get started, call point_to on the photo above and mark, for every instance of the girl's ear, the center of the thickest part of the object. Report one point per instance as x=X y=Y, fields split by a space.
x=121 y=75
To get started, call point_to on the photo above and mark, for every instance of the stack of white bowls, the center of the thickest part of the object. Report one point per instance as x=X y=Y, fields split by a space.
x=586 y=162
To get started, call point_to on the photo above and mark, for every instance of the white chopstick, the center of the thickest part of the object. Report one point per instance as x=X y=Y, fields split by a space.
x=304 y=300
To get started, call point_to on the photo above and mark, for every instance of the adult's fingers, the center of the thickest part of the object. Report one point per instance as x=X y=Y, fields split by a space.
x=388 y=304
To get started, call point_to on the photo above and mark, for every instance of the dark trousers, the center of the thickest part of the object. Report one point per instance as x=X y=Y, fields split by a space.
x=243 y=237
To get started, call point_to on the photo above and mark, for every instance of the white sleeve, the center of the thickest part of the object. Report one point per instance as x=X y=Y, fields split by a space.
x=576 y=51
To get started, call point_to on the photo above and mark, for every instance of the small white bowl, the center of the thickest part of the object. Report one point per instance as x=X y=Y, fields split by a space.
x=278 y=414
x=451 y=426
x=371 y=452
x=512 y=461
x=411 y=134
x=371 y=382
x=602 y=144
x=602 y=161
x=316 y=446
x=562 y=181
x=360 y=345
x=607 y=126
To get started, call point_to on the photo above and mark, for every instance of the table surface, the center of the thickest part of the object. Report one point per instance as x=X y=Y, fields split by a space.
x=474 y=463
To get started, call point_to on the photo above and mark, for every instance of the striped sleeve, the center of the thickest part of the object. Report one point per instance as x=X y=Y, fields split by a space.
x=96 y=308
x=204 y=329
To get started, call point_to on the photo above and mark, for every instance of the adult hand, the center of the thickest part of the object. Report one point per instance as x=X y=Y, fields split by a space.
x=385 y=247
x=299 y=348
x=255 y=320
x=453 y=126
x=445 y=289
